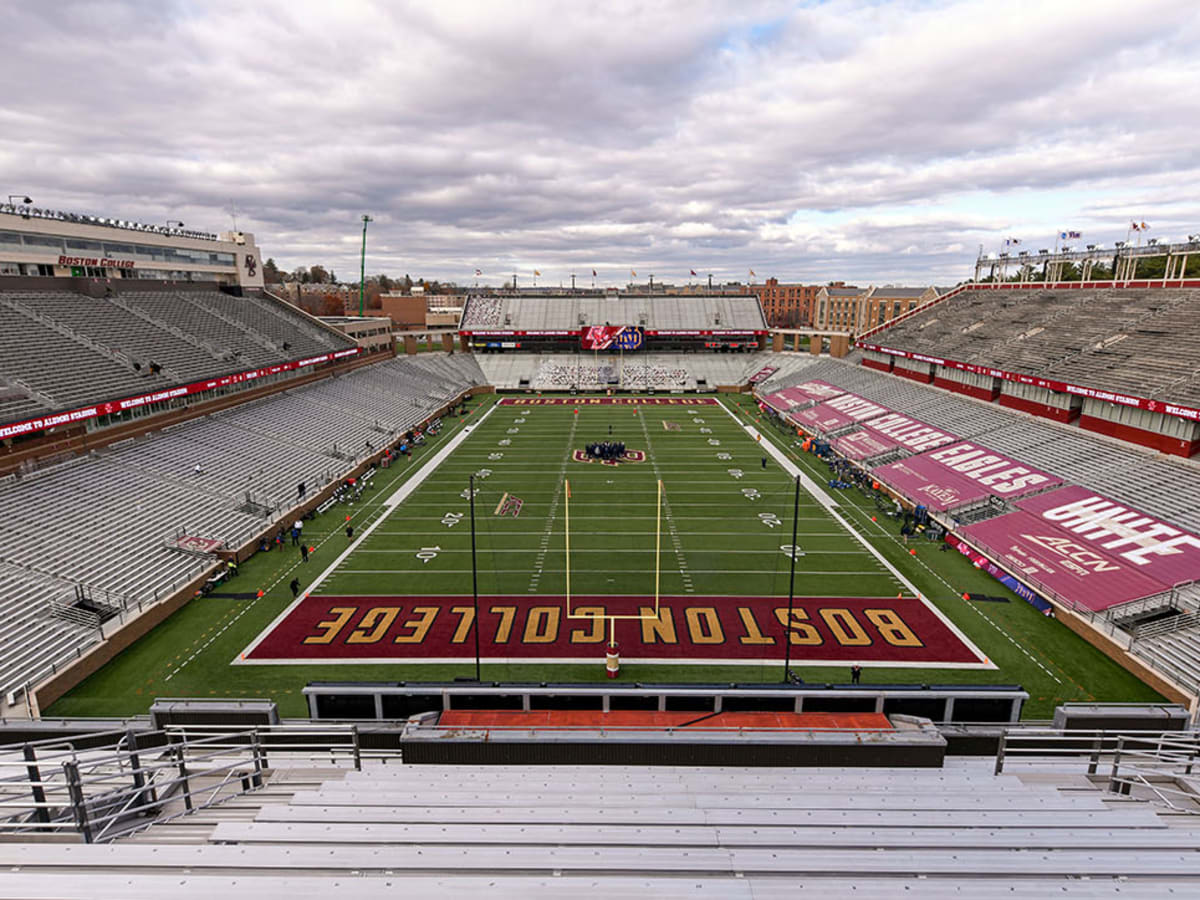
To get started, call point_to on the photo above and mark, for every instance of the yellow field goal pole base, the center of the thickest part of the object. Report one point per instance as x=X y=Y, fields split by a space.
x=612 y=618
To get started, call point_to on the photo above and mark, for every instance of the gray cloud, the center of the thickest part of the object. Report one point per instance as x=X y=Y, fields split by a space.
x=854 y=140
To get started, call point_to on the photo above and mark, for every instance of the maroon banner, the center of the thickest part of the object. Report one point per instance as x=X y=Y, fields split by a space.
x=31 y=426
x=858 y=409
x=963 y=473
x=863 y=444
x=1057 y=563
x=929 y=484
x=820 y=418
x=911 y=434
x=826 y=630
x=763 y=374
x=607 y=401
x=1153 y=548
x=802 y=395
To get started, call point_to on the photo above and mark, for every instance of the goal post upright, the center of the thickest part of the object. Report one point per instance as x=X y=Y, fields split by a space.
x=612 y=617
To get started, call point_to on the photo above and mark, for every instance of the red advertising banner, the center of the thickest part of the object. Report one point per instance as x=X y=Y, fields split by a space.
x=1057 y=563
x=925 y=482
x=820 y=418
x=890 y=631
x=50 y=420
x=858 y=409
x=803 y=395
x=863 y=444
x=998 y=474
x=911 y=434
x=1151 y=547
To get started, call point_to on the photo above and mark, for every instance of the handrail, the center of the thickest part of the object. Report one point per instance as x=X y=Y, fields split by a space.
x=1165 y=763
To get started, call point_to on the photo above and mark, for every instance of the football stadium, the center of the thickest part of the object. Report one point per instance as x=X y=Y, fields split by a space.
x=381 y=531
x=594 y=531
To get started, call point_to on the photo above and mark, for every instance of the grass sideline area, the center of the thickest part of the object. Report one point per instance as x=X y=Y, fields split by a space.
x=717 y=543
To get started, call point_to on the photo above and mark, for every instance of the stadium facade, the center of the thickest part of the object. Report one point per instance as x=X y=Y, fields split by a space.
x=55 y=244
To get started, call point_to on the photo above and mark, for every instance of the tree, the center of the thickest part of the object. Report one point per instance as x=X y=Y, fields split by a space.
x=385 y=283
x=373 y=298
x=408 y=283
x=318 y=275
x=332 y=305
x=271 y=274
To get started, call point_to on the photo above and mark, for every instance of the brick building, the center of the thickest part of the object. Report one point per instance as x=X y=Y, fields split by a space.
x=786 y=305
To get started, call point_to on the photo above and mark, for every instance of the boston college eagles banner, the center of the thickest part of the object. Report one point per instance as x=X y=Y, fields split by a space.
x=612 y=337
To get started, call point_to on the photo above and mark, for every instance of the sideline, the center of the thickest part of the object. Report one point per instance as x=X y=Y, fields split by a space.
x=389 y=506
x=819 y=494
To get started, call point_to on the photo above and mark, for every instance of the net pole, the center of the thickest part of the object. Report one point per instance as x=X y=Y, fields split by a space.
x=567 y=532
x=658 y=545
x=787 y=631
x=474 y=572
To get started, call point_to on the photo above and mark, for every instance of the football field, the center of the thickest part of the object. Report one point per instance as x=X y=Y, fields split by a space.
x=681 y=551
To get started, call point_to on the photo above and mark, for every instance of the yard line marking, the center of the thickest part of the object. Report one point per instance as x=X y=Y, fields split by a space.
x=540 y=560
x=389 y=506
x=831 y=507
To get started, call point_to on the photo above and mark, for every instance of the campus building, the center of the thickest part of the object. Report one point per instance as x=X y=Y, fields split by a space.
x=855 y=310
x=786 y=305
x=51 y=243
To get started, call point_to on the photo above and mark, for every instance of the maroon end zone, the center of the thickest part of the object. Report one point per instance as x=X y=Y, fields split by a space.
x=897 y=632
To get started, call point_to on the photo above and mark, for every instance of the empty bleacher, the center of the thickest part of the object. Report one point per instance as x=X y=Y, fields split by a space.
x=64 y=350
x=571 y=312
x=105 y=520
x=1134 y=341
x=575 y=831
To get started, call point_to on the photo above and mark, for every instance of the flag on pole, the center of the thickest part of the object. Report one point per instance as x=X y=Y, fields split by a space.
x=1011 y=242
x=693 y=271
x=1145 y=227
x=536 y=272
x=632 y=274
x=1071 y=235
x=478 y=272
x=751 y=273
x=593 y=273
x=1134 y=226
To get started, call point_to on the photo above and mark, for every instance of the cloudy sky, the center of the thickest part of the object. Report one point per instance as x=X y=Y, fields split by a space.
x=876 y=142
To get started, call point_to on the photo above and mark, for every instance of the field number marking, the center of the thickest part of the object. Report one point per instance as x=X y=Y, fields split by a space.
x=770 y=520
x=451 y=519
x=425 y=554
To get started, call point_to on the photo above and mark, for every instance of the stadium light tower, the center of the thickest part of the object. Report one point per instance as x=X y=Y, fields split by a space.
x=362 y=266
x=23 y=198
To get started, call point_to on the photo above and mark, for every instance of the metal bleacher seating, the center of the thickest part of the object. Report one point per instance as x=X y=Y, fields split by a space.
x=596 y=830
x=62 y=350
x=572 y=311
x=1137 y=341
x=105 y=522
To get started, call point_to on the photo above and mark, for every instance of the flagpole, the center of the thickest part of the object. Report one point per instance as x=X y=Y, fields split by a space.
x=787 y=631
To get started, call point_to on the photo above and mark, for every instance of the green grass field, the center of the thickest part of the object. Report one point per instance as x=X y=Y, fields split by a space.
x=718 y=541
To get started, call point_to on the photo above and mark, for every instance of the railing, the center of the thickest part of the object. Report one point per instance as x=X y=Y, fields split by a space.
x=1164 y=767
x=138 y=780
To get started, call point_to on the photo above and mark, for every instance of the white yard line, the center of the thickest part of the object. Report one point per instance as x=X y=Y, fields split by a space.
x=544 y=546
x=680 y=557
x=389 y=506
